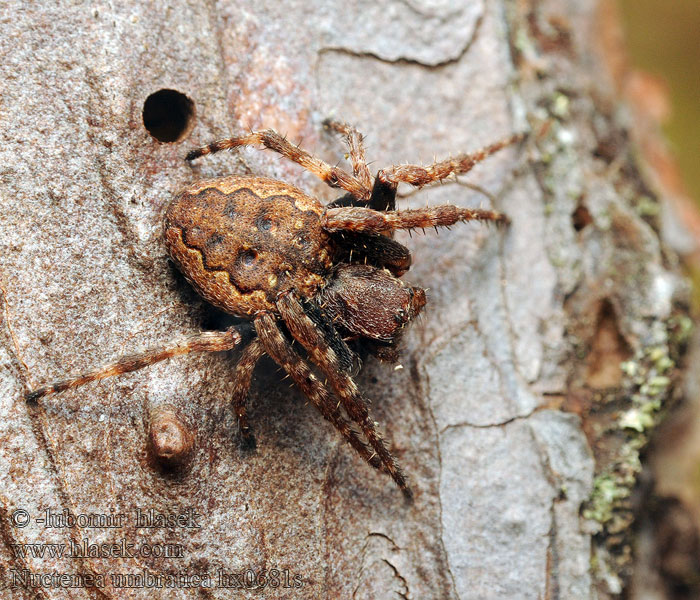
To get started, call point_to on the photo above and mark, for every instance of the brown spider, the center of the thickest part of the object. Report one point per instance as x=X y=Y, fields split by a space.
x=263 y=250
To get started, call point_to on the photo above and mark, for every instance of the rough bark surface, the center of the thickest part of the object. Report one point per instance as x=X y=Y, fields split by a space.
x=475 y=417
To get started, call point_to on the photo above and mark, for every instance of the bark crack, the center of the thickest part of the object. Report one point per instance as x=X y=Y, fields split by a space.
x=21 y=366
x=402 y=60
x=401 y=578
x=552 y=591
x=503 y=423
x=438 y=449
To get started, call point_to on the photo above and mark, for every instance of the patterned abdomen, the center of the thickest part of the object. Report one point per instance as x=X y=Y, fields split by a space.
x=242 y=241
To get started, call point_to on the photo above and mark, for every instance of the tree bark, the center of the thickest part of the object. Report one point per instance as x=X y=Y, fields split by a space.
x=519 y=345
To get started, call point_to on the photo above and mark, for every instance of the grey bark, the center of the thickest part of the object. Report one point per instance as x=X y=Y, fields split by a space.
x=499 y=470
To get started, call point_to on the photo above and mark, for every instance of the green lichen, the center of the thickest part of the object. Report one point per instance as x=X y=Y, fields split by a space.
x=637 y=419
x=560 y=106
x=646 y=385
x=629 y=368
x=641 y=400
x=523 y=43
x=607 y=491
x=647 y=207
x=681 y=327
x=656 y=386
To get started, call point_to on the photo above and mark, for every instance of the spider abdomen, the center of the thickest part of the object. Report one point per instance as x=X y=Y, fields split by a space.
x=242 y=241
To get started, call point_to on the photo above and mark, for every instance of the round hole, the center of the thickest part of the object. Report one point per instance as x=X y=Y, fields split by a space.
x=168 y=115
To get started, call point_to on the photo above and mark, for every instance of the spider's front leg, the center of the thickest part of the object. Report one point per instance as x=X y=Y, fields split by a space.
x=356 y=218
x=354 y=139
x=373 y=249
x=419 y=176
x=383 y=196
x=333 y=176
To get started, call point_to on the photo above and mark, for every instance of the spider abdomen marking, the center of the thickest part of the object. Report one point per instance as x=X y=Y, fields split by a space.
x=243 y=241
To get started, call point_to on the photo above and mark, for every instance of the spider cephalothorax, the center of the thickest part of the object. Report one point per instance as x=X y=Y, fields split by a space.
x=263 y=250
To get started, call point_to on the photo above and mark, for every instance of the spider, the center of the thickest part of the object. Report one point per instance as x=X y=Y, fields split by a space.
x=322 y=276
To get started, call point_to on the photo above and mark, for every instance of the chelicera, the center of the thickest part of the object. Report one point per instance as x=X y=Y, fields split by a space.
x=324 y=276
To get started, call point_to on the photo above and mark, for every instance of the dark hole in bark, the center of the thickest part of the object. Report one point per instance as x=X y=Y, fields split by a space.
x=581 y=217
x=168 y=115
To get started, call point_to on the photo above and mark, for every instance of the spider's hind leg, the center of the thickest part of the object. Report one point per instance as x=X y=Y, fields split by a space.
x=206 y=341
x=358 y=219
x=243 y=373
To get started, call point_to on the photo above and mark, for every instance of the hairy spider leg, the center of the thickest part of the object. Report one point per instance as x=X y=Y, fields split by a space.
x=321 y=352
x=355 y=142
x=334 y=176
x=206 y=341
x=419 y=176
x=243 y=373
x=281 y=351
x=383 y=196
x=357 y=218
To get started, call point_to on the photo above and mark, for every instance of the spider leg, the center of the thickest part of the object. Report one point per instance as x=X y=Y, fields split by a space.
x=354 y=140
x=333 y=176
x=419 y=176
x=321 y=352
x=374 y=249
x=252 y=353
x=206 y=341
x=365 y=219
x=383 y=194
x=281 y=351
